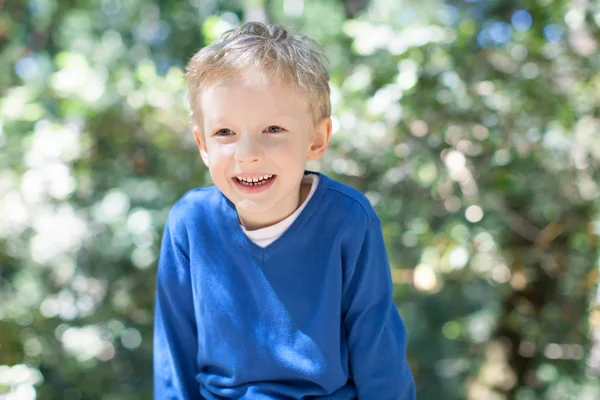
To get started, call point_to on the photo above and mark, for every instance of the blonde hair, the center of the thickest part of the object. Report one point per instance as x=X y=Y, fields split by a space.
x=292 y=59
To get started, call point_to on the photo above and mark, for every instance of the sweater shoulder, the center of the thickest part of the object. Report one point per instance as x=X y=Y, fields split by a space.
x=193 y=205
x=351 y=201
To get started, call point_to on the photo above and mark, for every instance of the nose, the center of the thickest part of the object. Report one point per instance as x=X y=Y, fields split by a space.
x=248 y=150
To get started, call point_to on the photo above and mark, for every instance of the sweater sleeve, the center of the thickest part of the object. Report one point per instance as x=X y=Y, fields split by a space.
x=175 y=339
x=375 y=332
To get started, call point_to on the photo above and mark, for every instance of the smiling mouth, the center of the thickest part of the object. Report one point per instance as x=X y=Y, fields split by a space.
x=258 y=181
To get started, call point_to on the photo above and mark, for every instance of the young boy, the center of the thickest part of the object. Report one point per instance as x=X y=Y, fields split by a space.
x=274 y=283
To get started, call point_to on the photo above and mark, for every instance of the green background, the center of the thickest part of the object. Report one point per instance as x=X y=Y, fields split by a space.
x=472 y=126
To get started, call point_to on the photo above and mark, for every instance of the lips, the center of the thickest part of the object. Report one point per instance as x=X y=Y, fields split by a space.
x=255 y=180
x=254 y=183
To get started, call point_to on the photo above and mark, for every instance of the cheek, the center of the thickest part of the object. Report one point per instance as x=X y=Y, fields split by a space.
x=288 y=148
x=219 y=152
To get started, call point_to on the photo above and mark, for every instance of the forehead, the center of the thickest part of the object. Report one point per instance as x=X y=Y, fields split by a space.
x=252 y=91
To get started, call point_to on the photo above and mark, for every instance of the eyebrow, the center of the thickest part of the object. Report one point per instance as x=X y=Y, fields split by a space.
x=225 y=121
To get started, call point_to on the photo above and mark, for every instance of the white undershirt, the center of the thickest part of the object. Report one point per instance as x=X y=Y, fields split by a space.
x=265 y=236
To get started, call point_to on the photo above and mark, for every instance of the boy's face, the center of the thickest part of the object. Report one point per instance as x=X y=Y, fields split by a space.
x=258 y=129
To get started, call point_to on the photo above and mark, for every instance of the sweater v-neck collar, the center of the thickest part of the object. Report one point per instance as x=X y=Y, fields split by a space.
x=242 y=241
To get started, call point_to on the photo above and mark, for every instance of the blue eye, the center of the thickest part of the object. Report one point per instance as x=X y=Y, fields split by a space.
x=274 y=129
x=224 y=132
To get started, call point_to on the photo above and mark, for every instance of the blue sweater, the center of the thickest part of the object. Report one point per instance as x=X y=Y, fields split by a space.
x=310 y=316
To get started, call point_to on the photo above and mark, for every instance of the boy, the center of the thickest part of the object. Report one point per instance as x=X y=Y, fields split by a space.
x=274 y=283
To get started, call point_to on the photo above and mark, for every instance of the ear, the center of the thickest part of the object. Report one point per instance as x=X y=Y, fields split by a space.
x=201 y=145
x=320 y=139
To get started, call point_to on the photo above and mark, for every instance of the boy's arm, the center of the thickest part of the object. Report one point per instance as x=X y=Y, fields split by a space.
x=376 y=334
x=175 y=339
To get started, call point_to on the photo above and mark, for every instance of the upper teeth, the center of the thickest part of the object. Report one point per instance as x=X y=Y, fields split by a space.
x=260 y=178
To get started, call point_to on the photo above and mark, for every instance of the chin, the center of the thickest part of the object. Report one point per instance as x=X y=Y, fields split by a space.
x=250 y=207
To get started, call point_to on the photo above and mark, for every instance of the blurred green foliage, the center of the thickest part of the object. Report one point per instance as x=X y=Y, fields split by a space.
x=473 y=127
